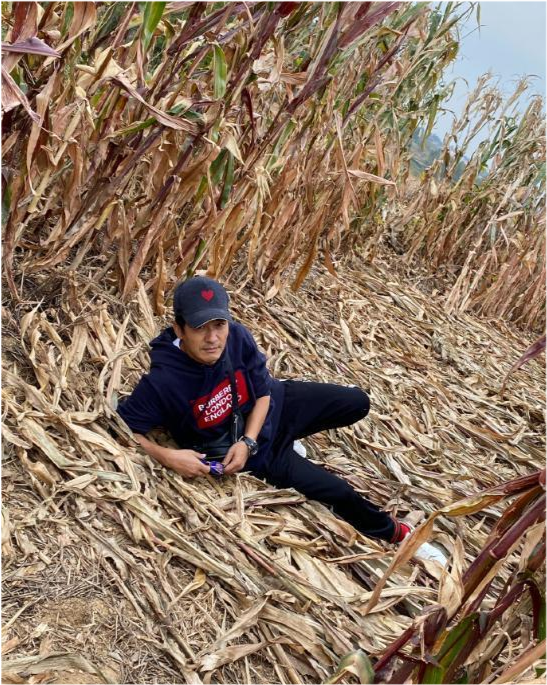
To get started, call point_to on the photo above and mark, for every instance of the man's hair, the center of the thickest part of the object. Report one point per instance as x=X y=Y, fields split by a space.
x=181 y=322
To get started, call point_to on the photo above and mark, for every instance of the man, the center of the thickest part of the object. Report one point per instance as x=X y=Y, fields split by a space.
x=188 y=391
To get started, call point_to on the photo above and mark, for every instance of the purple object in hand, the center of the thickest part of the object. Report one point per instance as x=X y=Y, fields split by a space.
x=216 y=467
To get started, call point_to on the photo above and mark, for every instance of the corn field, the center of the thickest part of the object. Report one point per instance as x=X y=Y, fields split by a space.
x=182 y=138
x=267 y=144
x=487 y=229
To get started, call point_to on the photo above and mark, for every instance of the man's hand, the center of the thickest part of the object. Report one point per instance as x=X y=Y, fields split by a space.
x=186 y=462
x=236 y=458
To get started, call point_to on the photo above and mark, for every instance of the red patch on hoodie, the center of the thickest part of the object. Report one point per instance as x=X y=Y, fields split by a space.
x=212 y=409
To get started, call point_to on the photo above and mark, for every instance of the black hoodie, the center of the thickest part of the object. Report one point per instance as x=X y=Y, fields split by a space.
x=193 y=401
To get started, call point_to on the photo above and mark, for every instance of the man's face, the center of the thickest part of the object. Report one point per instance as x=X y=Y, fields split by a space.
x=206 y=343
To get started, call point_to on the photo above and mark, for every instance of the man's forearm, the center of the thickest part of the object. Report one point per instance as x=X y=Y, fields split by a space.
x=256 y=418
x=152 y=449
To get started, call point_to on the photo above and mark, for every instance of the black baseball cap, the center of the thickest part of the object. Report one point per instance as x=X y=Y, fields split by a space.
x=199 y=300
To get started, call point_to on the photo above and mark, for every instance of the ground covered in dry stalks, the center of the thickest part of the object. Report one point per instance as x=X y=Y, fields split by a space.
x=116 y=570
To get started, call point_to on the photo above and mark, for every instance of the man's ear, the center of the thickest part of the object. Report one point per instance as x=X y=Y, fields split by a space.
x=178 y=330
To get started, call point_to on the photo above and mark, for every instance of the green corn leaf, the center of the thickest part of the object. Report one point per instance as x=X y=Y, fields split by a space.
x=447 y=10
x=456 y=640
x=200 y=192
x=219 y=71
x=280 y=142
x=178 y=109
x=216 y=172
x=355 y=663
x=197 y=257
x=152 y=16
x=448 y=26
x=228 y=181
x=433 y=674
x=541 y=625
x=431 y=119
x=133 y=128
x=435 y=22
x=410 y=11
x=464 y=678
x=6 y=203
x=217 y=167
x=541 y=620
x=67 y=17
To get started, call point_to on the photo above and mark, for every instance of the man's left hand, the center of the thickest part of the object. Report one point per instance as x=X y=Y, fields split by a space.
x=236 y=458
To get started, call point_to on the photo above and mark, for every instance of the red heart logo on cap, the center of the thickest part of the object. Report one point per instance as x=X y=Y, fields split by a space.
x=207 y=294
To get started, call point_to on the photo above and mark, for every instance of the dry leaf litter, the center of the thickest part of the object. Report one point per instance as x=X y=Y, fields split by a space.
x=116 y=570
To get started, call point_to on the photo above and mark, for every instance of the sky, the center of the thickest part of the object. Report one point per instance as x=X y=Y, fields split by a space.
x=510 y=43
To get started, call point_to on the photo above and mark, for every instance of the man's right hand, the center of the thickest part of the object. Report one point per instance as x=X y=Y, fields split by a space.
x=186 y=462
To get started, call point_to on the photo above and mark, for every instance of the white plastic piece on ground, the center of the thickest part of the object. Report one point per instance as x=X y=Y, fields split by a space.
x=429 y=551
x=299 y=448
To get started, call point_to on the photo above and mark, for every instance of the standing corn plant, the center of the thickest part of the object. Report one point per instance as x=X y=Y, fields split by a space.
x=480 y=220
x=167 y=138
x=462 y=640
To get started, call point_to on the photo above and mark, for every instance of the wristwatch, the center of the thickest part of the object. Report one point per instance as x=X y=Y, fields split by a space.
x=251 y=444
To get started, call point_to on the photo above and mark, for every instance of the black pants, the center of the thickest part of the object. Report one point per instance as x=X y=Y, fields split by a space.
x=309 y=408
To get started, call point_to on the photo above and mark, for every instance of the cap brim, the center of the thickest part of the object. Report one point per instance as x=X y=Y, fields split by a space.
x=197 y=319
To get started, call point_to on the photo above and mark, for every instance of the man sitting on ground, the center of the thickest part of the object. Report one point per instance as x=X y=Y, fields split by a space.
x=195 y=366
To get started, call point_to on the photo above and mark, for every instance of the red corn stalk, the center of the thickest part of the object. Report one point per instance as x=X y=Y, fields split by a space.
x=512 y=513
x=462 y=648
x=519 y=484
x=533 y=351
x=247 y=101
x=461 y=640
x=497 y=549
x=536 y=559
x=538 y=609
x=286 y=8
x=365 y=18
x=504 y=603
x=392 y=650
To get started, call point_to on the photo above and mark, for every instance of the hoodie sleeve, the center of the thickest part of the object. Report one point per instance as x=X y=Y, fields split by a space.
x=255 y=363
x=143 y=410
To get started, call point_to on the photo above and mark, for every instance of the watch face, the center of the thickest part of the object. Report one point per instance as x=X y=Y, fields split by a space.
x=252 y=445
